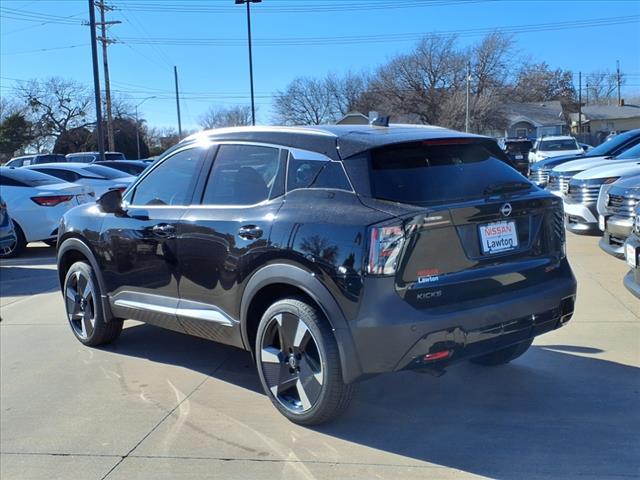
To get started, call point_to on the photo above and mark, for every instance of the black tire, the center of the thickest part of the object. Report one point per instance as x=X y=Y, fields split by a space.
x=83 y=305
x=500 y=357
x=314 y=393
x=19 y=245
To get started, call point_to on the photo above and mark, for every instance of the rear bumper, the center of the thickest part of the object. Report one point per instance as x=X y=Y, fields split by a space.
x=390 y=335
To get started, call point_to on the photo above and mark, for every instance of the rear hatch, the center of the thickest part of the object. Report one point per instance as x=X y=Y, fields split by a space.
x=467 y=225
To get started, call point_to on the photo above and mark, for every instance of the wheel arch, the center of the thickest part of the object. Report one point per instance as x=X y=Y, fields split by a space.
x=279 y=280
x=74 y=249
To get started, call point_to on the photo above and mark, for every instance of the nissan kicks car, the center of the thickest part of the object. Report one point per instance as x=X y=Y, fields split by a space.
x=330 y=253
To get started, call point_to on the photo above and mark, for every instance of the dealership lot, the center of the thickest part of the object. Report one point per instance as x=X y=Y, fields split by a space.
x=159 y=404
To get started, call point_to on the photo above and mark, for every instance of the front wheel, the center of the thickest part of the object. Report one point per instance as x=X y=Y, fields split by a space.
x=505 y=355
x=299 y=364
x=17 y=246
x=83 y=304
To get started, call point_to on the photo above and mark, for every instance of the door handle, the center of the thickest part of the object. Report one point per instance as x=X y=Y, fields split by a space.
x=164 y=230
x=250 y=232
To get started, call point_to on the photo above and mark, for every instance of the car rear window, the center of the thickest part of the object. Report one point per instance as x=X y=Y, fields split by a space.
x=114 y=156
x=557 y=145
x=438 y=171
x=106 y=172
x=29 y=178
x=520 y=147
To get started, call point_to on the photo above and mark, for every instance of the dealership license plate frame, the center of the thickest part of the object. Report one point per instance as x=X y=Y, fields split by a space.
x=508 y=236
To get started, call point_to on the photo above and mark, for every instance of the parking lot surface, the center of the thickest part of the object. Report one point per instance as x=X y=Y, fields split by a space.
x=158 y=404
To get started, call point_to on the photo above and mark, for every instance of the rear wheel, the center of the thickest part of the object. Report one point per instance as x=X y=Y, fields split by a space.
x=500 y=357
x=83 y=304
x=299 y=364
x=17 y=247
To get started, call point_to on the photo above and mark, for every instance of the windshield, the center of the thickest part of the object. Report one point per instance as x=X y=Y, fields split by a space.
x=30 y=178
x=558 y=145
x=633 y=152
x=106 y=172
x=611 y=145
x=419 y=173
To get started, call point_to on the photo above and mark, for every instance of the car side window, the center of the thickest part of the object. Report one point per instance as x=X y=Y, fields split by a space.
x=10 y=182
x=242 y=175
x=316 y=174
x=172 y=182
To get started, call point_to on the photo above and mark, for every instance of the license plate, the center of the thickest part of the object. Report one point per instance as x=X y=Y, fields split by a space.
x=601 y=223
x=518 y=157
x=498 y=237
x=630 y=253
x=83 y=198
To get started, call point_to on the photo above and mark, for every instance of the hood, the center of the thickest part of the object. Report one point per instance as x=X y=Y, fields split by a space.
x=611 y=169
x=582 y=164
x=551 y=162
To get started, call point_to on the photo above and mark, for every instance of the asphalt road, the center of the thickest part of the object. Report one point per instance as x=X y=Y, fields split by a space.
x=162 y=405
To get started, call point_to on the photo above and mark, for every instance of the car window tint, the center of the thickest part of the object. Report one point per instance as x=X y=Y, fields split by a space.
x=29 y=178
x=105 y=172
x=171 y=182
x=316 y=174
x=10 y=182
x=65 y=175
x=242 y=175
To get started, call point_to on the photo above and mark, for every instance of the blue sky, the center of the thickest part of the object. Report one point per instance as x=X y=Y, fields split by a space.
x=218 y=74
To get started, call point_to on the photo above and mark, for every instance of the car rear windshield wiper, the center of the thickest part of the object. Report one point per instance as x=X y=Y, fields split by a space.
x=504 y=187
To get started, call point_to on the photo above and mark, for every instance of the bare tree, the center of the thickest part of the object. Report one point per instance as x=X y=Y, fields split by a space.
x=602 y=86
x=216 y=117
x=537 y=82
x=305 y=101
x=491 y=62
x=56 y=105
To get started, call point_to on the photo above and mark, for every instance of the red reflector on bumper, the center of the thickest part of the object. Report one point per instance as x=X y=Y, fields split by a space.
x=429 y=357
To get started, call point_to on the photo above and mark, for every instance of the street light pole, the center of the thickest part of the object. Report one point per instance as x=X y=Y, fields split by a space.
x=137 y=126
x=253 y=104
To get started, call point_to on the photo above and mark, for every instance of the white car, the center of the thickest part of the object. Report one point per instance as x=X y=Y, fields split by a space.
x=100 y=179
x=36 y=203
x=581 y=200
x=555 y=146
x=561 y=175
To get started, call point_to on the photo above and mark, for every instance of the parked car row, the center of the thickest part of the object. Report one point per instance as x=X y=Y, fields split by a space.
x=81 y=157
x=37 y=195
x=600 y=190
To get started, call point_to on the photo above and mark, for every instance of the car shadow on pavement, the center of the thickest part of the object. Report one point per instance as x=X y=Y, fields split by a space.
x=17 y=281
x=551 y=413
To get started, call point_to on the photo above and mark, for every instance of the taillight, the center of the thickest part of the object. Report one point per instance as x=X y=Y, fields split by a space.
x=51 y=200
x=384 y=250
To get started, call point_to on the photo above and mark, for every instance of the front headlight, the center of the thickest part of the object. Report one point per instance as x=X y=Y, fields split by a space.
x=609 y=180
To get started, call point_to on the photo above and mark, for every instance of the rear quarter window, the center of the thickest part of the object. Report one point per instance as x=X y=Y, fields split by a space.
x=438 y=172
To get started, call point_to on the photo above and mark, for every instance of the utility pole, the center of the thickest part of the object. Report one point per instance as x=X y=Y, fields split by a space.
x=105 y=64
x=586 y=92
x=96 y=78
x=175 y=74
x=618 y=81
x=579 y=103
x=466 y=123
x=253 y=104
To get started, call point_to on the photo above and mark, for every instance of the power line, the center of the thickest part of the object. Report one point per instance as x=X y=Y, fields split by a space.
x=384 y=38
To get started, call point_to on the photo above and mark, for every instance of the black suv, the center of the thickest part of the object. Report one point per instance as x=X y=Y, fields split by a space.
x=517 y=149
x=330 y=253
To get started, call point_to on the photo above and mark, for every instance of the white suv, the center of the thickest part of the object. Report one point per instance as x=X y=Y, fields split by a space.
x=546 y=147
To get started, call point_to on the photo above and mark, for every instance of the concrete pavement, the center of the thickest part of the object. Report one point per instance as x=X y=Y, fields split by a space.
x=158 y=404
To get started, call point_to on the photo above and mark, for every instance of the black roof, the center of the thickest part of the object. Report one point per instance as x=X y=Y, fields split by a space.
x=335 y=141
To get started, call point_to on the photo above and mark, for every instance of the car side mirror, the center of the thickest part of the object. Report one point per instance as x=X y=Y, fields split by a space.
x=111 y=202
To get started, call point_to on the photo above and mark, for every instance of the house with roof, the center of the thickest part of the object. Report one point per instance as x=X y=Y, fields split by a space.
x=532 y=120
x=601 y=120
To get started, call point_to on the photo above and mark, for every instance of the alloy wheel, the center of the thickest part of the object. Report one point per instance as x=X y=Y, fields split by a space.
x=80 y=303
x=291 y=363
